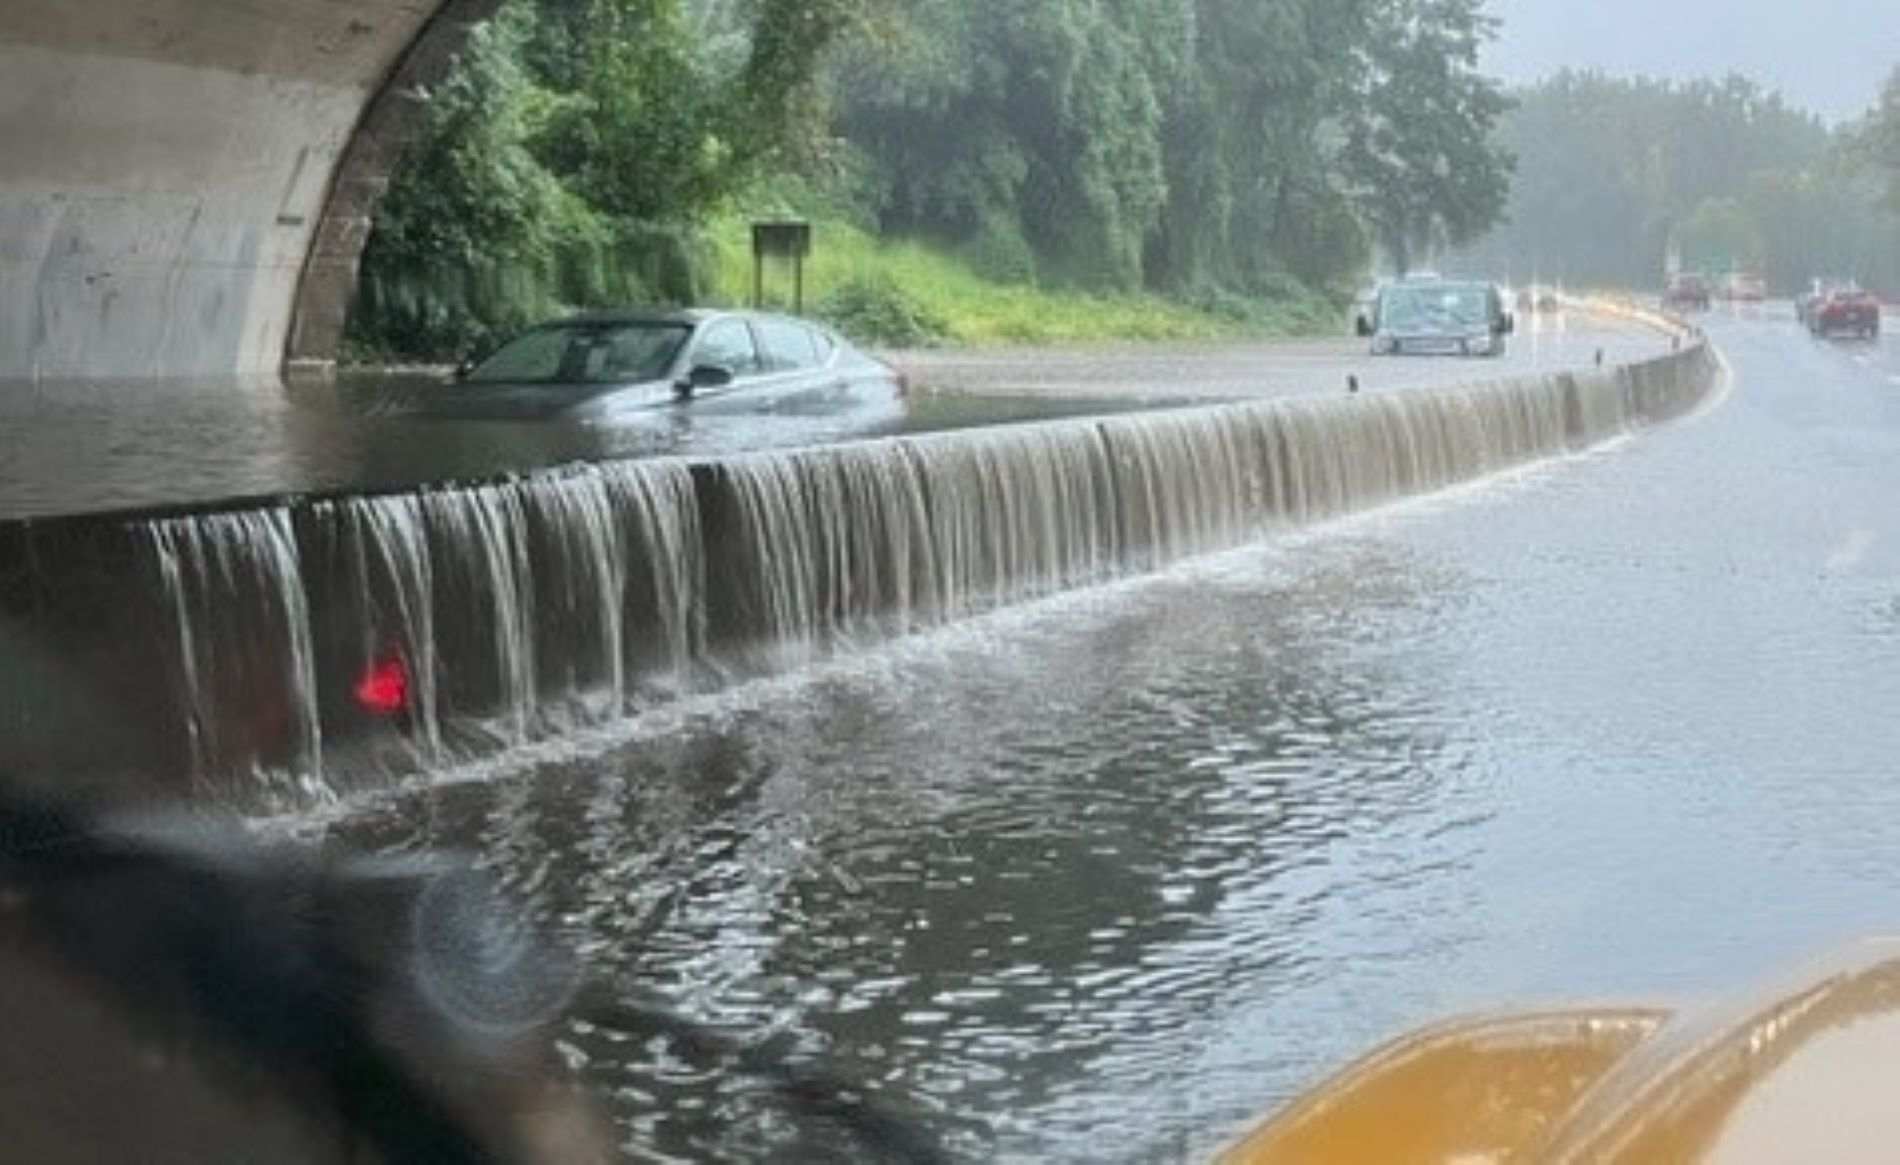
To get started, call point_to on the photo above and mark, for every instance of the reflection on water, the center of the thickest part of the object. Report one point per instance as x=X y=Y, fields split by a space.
x=70 y=447
x=1017 y=877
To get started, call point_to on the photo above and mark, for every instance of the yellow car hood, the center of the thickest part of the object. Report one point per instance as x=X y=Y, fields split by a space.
x=1809 y=1071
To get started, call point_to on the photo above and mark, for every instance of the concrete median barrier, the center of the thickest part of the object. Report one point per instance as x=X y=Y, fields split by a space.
x=298 y=649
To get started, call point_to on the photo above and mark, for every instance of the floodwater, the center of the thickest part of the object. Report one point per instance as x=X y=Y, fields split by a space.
x=1544 y=341
x=85 y=447
x=78 y=448
x=1104 y=877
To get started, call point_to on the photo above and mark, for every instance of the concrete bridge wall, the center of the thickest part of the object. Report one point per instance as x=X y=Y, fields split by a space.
x=177 y=176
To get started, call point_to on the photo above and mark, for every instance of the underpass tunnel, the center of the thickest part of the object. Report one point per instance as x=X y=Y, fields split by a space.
x=189 y=183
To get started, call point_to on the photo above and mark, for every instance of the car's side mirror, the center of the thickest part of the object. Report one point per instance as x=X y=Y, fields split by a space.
x=462 y=371
x=1363 y=326
x=702 y=376
x=1505 y=324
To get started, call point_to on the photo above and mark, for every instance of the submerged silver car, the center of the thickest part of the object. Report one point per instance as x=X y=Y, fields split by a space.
x=603 y=367
x=1439 y=316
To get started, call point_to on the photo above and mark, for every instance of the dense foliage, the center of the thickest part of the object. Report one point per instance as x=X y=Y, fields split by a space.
x=1198 y=148
x=571 y=158
x=1176 y=144
x=1880 y=140
x=1613 y=173
x=1418 y=183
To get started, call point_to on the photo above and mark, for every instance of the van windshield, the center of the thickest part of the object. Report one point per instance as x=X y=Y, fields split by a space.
x=1435 y=308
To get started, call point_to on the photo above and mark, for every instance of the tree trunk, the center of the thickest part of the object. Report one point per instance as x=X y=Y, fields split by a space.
x=1400 y=252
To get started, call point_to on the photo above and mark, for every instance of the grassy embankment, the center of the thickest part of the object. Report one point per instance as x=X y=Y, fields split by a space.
x=888 y=293
x=905 y=293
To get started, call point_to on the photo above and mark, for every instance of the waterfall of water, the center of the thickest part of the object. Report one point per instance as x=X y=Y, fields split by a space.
x=393 y=580
x=514 y=609
x=246 y=683
x=663 y=623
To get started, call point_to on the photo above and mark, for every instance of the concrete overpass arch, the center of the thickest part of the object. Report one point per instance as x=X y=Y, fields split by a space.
x=186 y=185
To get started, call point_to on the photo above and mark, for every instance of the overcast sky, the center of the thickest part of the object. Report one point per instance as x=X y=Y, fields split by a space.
x=1827 y=55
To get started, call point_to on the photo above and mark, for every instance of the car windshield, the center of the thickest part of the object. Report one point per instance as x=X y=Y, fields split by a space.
x=585 y=353
x=1434 y=309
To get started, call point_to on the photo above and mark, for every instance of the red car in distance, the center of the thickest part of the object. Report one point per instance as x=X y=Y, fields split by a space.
x=1844 y=311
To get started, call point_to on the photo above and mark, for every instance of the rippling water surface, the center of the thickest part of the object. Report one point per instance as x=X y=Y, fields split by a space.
x=1028 y=875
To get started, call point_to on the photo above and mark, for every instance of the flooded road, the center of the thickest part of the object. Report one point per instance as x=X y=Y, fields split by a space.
x=1543 y=341
x=87 y=447
x=1104 y=877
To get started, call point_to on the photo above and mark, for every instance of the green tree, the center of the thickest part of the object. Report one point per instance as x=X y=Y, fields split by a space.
x=475 y=229
x=1194 y=147
x=640 y=129
x=1259 y=196
x=1420 y=156
x=571 y=156
x=997 y=123
x=1883 y=136
x=1611 y=172
x=1181 y=145
x=1721 y=235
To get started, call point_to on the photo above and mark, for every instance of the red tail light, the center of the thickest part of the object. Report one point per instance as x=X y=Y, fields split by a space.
x=384 y=688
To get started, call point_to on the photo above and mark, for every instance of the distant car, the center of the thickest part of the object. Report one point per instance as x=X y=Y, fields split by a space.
x=1744 y=287
x=1539 y=299
x=1845 y=310
x=1440 y=316
x=1818 y=292
x=1687 y=292
x=609 y=365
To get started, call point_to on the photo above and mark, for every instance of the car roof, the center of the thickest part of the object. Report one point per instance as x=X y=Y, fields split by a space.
x=683 y=315
x=1410 y=284
x=687 y=316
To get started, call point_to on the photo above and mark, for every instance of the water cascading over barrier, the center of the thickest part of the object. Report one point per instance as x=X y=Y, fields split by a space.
x=287 y=652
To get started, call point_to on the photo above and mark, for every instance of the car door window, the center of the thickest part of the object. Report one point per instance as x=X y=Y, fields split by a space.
x=728 y=344
x=788 y=345
x=641 y=352
x=534 y=358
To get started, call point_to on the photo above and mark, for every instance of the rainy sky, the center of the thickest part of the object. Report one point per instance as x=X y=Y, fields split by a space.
x=1827 y=55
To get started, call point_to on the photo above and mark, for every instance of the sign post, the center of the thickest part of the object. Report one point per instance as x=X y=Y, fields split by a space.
x=782 y=240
